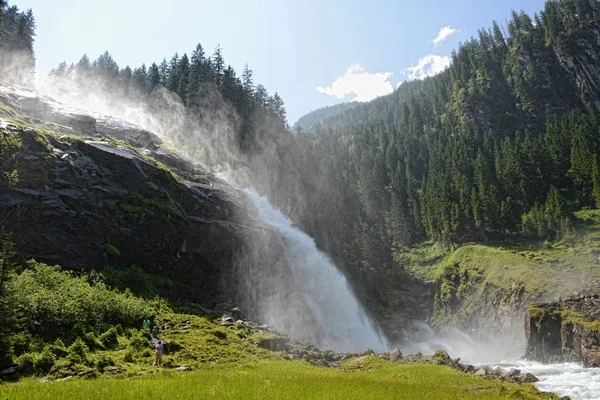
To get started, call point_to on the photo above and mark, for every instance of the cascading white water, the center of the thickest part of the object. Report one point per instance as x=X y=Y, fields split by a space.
x=341 y=318
x=567 y=379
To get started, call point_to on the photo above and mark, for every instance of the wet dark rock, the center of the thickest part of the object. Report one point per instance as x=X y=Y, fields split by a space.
x=10 y=372
x=565 y=331
x=513 y=373
x=530 y=378
x=275 y=344
x=236 y=313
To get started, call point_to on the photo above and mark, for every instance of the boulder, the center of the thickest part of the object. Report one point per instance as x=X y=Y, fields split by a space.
x=322 y=363
x=481 y=372
x=236 y=313
x=367 y=352
x=9 y=372
x=513 y=372
x=443 y=357
x=530 y=378
x=275 y=344
x=395 y=355
x=468 y=368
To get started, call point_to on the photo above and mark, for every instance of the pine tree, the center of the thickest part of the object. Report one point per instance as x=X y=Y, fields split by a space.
x=183 y=69
x=163 y=70
x=196 y=74
x=173 y=76
x=218 y=65
x=153 y=76
x=140 y=79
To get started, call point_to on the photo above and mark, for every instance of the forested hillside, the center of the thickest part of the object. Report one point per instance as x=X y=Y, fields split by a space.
x=312 y=119
x=503 y=144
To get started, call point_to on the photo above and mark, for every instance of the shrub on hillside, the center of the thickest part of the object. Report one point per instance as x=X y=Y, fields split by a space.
x=91 y=341
x=36 y=363
x=78 y=352
x=109 y=339
x=57 y=303
x=103 y=362
x=139 y=341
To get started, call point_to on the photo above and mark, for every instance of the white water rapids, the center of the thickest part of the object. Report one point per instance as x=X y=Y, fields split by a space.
x=345 y=324
x=567 y=379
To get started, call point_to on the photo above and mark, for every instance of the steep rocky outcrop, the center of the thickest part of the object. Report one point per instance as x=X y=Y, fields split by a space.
x=564 y=331
x=87 y=192
x=580 y=57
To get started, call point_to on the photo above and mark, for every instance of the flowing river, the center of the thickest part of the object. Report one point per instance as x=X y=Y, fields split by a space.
x=567 y=379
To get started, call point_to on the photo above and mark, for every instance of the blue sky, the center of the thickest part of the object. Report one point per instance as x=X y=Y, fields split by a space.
x=298 y=49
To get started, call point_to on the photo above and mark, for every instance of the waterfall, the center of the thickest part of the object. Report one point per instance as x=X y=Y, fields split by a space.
x=344 y=324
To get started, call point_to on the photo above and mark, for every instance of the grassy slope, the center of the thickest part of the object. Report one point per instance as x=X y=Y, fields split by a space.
x=282 y=380
x=545 y=271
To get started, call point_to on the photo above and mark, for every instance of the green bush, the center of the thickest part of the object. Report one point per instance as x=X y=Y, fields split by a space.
x=44 y=362
x=36 y=363
x=91 y=341
x=78 y=352
x=129 y=355
x=139 y=341
x=57 y=303
x=25 y=362
x=110 y=339
x=112 y=250
x=21 y=342
x=103 y=362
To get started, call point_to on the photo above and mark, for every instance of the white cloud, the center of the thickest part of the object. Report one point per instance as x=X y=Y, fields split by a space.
x=444 y=34
x=364 y=85
x=428 y=65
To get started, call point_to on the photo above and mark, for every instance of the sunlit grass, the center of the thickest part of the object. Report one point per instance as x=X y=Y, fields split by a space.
x=281 y=380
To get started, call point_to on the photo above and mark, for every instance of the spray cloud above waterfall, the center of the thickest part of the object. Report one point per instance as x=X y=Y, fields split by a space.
x=197 y=103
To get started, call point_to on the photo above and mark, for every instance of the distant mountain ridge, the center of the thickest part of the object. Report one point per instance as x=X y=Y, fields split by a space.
x=309 y=121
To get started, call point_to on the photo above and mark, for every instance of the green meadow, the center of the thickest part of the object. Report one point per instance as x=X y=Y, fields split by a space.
x=292 y=380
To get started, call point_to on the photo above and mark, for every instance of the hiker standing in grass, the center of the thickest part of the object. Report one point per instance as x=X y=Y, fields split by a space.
x=146 y=323
x=158 y=351
x=155 y=332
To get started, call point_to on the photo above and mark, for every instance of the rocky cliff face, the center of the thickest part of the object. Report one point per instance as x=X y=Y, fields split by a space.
x=493 y=316
x=564 y=331
x=580 y=58
x=87 y=192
